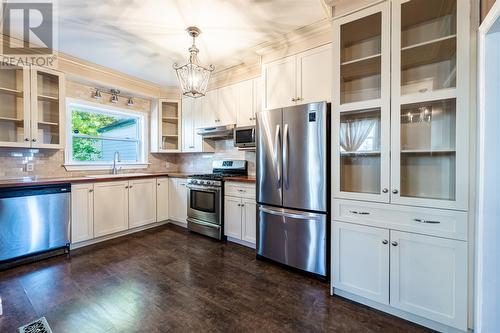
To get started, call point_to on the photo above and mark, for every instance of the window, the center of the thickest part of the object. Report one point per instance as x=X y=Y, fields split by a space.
x=96 y=132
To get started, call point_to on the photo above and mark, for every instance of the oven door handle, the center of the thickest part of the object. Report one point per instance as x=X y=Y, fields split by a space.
x=204 y=188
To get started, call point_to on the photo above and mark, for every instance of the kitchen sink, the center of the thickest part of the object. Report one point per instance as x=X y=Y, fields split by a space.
x=120 y=175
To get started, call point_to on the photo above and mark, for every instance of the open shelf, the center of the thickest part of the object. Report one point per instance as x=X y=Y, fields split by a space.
x=11 y=119
x=48 y=98
x=48 y=123
x=438 y=50
x=359 y=153
x=361 y=38
x=4 y=90
x=428 y=151
x=363 y=68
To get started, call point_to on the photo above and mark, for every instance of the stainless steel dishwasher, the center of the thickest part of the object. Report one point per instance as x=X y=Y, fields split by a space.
x=33 y=220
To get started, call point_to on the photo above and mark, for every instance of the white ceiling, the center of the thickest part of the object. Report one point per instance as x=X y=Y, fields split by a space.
x=144 y=37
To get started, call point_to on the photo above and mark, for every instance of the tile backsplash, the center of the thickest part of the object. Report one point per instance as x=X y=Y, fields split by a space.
x=224 y=149
x=49 y=163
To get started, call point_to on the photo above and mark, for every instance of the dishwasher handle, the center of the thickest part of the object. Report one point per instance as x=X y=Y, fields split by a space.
x=30 y=190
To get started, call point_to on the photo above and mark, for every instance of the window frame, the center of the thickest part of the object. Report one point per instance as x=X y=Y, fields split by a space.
x=72 y=165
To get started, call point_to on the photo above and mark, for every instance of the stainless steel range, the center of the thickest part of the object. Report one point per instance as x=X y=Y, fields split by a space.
x=206 y=197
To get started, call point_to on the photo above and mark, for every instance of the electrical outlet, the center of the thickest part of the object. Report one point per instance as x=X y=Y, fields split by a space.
x=30 y=167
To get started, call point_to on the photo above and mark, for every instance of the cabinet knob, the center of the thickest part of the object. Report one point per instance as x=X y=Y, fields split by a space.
x=91 y=191
x=126 y=186
x=385 y=190
x=34 y=140
x=159 y=184
x=191 y=146
x=394 y=243
x=395 y=191
x=242 y=205
x=26 y=139
x=130 y=186
x=385 y=242
x=294 y=99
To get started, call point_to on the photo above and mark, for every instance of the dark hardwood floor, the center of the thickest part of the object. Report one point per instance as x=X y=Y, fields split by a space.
x=168 y=280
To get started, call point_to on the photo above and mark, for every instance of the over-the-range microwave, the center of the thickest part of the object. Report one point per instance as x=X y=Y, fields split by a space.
x=244 y=137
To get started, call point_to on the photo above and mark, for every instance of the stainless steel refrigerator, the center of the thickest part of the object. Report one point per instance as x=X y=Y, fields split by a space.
x=292 y=186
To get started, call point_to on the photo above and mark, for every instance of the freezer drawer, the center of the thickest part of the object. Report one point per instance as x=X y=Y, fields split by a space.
x=294 y=238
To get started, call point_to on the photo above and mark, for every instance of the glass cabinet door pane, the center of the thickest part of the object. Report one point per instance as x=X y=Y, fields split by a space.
x=48 y=108
x=360 y=158
x=169 y=122
x=428 y=132
x=428 y=45
x=12 y=105
x=360 y=49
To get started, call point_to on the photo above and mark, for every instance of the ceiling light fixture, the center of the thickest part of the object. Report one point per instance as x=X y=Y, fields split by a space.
x=97 y=94
x=192 y=76
x=114 y=95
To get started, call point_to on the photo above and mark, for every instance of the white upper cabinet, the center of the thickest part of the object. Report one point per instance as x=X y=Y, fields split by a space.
x=192 y=120
x=209 y=108
x=246 y=109
x=299 y=79
x=314 y=75
x=280 y=80
x=188 y=124
x=409 y=98
x=361 y=106
x=258 y=88
x=32 y=112
x=227 y=105
x=430 y=103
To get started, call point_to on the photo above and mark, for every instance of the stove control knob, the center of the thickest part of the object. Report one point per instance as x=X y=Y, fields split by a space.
x=194 y=182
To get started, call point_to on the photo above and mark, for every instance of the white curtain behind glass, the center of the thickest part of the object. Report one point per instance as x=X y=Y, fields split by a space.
x=354 y=132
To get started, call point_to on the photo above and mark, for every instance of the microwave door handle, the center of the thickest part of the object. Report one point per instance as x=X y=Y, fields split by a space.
x=285 y=156
x=253 y=135
x=276 y=157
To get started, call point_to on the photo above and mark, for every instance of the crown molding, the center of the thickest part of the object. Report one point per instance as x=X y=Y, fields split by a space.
x=297 y=36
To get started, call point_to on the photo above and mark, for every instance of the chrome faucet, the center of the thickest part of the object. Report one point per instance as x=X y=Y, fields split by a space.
x=116 y=159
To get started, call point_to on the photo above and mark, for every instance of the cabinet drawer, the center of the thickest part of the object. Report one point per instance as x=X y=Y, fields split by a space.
x=436 y=222
x=240 y=190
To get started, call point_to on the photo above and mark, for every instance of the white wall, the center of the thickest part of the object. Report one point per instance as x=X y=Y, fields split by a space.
x=488 y=220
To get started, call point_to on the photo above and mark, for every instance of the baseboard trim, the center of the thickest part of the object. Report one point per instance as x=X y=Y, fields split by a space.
x=398 y=313
x=116 y=235
x=241 y=242
x=179 y=223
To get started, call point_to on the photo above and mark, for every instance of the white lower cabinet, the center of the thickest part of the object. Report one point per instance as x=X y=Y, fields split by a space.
x=429 y=277
x=422 y=275
x=142 y=202
x=162 y=186
x=110 y=208
x=232 y=217
x=361 y=261
x=240 y=212
x=82 y=212
x=102 y=209
x=177 y=203
x=249 y=221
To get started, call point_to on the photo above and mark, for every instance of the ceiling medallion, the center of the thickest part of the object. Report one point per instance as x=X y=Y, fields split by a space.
x=192 y=76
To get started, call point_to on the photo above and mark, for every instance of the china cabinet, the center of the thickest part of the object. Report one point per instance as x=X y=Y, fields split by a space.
x=400 y=159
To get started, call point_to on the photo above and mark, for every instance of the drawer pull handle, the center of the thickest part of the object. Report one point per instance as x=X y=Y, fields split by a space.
x=426 y=221
x=385 y=242
x=359 y=213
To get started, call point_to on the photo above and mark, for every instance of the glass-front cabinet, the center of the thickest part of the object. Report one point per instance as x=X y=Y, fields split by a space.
x=31 y=113
x=430 y=108
x=401 y=106
x=361 y=117
x=170 y=125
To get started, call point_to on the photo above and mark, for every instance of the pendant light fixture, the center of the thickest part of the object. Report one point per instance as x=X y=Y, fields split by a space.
x=192 y=76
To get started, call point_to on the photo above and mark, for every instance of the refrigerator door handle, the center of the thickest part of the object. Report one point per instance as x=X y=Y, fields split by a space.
x=291 y=214
x=285 y=156
x=277 y=140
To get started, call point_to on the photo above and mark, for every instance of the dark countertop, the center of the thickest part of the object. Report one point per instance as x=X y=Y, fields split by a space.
x=29 y=181
x=241 y=179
